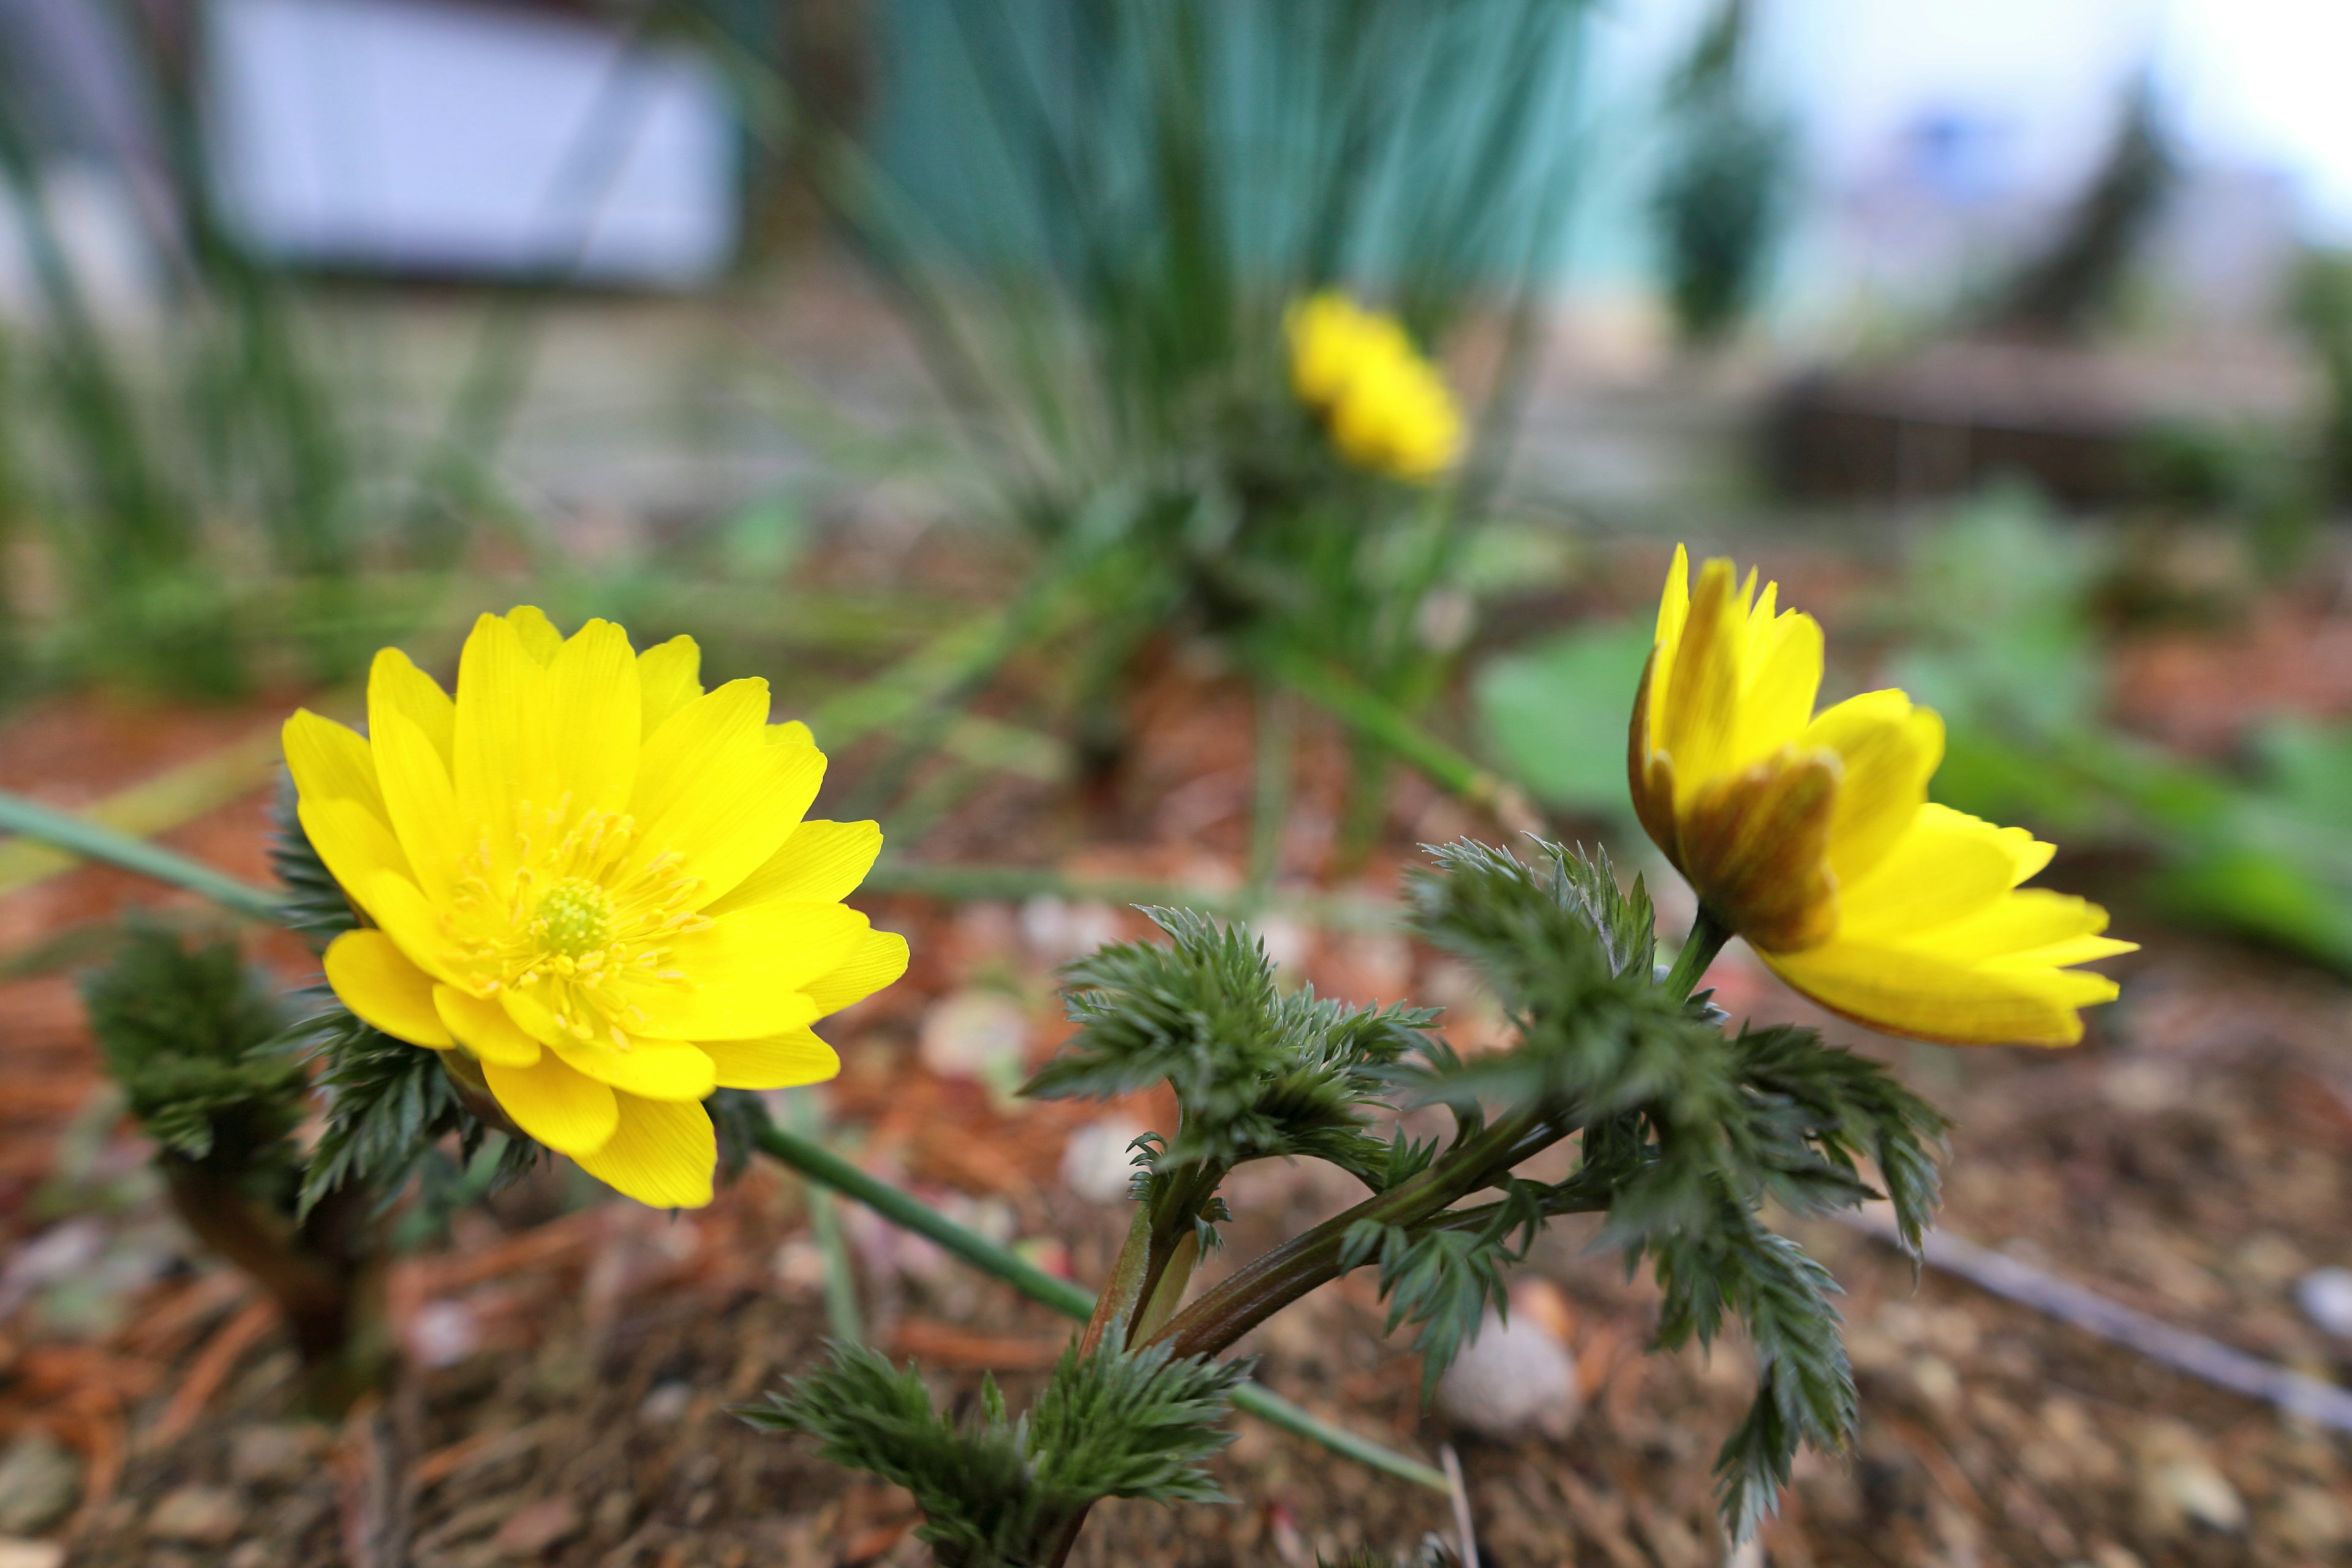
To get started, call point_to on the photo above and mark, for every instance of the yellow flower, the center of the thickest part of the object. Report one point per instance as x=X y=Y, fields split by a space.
x=1387 y=408
x=1812 y=837
x=591 y=878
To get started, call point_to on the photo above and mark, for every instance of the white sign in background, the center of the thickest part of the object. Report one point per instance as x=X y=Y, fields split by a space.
x=417 y=135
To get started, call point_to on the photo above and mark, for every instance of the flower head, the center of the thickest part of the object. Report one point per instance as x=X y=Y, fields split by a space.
x=1811 y=835
x=1387 y=408
x=593 y=879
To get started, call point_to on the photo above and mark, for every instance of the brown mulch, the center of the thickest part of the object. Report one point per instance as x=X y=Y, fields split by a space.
x=573 y=1363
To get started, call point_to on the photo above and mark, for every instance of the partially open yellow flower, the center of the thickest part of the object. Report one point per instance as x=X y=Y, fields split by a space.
x=1387 y=408
x=591 y=878
x=1812 y=837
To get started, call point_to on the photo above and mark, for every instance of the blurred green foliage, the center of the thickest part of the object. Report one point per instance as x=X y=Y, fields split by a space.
x=1554 y=715
x=1729 y=175
x=1139 y=191
x=2007 y=650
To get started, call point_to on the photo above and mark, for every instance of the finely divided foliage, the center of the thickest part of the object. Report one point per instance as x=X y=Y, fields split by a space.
x=1003 y=1493
x=1258 y=1073
x=190 y=1033
x=1684 y=1132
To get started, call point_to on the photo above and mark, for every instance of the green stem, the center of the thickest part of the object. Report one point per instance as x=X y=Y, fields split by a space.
x=1265 y=1285
x=80 y=835
x=1277 y=724
x=822 y=1164
x=1707 y=935
x=807 y=1116
x=1384 y=724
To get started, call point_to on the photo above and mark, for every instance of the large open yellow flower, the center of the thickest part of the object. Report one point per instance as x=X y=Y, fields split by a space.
x=1386 y=406
x=1811 y=835
x=593 y=877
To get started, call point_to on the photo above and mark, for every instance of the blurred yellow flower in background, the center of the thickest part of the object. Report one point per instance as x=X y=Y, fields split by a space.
x=594 y=878
x=1387 y=408
x=1812 y=837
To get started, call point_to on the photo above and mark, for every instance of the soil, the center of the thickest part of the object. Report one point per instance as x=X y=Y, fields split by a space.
x=573 y=1362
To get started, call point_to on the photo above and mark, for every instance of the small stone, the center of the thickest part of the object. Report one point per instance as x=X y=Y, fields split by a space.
x=666 y=1404
x=39 y=1482
x=2179 y=1487
x=2326 y=1297
x=1098 y=1163
x=15 y=1552
x=1937 y=1382
x=535 y=1530
x=201 y=1516
x=981 y=1034
x=276 y=1455
x=1514 y=1379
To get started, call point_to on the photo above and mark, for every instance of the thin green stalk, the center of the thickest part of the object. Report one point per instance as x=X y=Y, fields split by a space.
x=1386 y=725
x=1276 y=763
x=806 y=1113
x=77 y=836
x=1707 y=935
x=1339 y=912
x=822 y=1164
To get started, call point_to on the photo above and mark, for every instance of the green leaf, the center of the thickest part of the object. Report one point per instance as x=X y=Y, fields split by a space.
x=1555 y=715
x=190 y=1033
x=1258 y=1073
x=998 y=1493
x=389 y=1106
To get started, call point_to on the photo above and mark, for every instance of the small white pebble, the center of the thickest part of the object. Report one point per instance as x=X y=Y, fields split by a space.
x=2325 y=1296
x=982 y=1035
x=1514 y=1378
x=666 y=1403
x=1099 y=1161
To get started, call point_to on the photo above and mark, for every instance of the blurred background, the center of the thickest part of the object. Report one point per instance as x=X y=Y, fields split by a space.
x=928 y=358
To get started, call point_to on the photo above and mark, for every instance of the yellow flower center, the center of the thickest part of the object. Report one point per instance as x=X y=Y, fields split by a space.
x=575 y=918
x=578 y=922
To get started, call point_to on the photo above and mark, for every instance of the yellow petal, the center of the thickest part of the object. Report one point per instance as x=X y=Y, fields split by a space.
x=531 y=1014
x=780 y=1061
x=1783 y=675
x=536 y=632
x=1699 y=724
x=669 y=676
x=594 y=727
x=661 y=1154
x=1888 y=750
x=421 y=801
x=742 y=975
x=396 y=686
x=1752 y=844
x=1673 y=605
x=879 y=959
x=650 y=1070
x=822 y=862
x=713 y=728
x=381 y=987
x=354 y=841
x=2031 y=923
x=1948 y=866
x=1900 y=992
x=409 y=920
x=329 y=761
x=500 y=739
x=569 y=1111
x=482 y=1027
x=791 y=733
x=734 y=815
